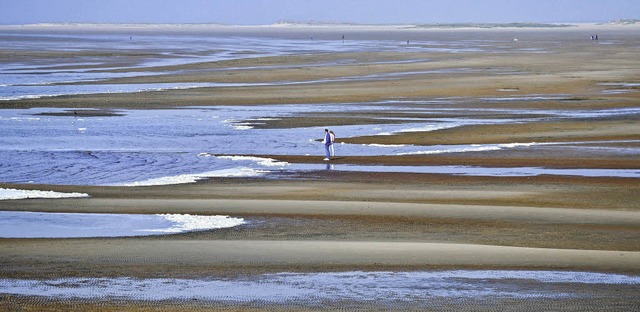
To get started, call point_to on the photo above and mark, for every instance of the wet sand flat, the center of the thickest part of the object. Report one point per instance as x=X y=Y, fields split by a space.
x=178 y=258
x=331 y=221
x=431 y=211
x=543 y=62
x=393 y=222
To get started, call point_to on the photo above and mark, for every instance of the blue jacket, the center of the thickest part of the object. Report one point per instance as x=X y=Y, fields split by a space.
x=327 y=139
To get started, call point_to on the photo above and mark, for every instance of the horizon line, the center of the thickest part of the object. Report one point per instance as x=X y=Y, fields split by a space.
x=322 y=23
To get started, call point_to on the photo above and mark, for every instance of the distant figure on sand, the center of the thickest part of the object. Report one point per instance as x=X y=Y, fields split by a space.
x=327 y=144
x=332 y=151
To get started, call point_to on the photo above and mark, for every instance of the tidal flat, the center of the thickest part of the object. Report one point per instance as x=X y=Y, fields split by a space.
x=502 y=173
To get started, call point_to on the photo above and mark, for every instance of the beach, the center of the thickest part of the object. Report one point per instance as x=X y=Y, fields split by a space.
x=458 y=150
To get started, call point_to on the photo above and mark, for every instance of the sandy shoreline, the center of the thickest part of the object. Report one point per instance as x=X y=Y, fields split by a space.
x=360 y=214
x=330 y=221
x=196 y=258
x=393 y=222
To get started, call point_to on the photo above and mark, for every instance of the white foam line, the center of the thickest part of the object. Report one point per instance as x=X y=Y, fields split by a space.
x=262 y=161
x=385 y=145
x=526 y=98
x=192 y=178
x=472 y=148
x=426 y=128
x=6 y=194
x=445 y=151
x=242 y=127
x=189 y=223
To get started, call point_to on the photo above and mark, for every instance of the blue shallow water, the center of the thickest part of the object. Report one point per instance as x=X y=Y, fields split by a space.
x=21 y=224
x=146 y=144
x=141 y=145
x=179 y=145
x=153 y=52
x=390 y=289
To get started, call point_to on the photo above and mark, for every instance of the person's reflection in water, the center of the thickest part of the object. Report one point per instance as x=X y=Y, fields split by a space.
x=329 y=167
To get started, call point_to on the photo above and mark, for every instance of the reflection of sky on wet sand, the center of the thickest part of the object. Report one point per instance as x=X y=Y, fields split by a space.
x=493 y=171
x=389 y=288
x=20 y=224
x=174 y=145
x=159 y=53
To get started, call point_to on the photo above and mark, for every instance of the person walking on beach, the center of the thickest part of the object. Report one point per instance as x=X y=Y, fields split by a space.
x=327 y=144
x=332 y=150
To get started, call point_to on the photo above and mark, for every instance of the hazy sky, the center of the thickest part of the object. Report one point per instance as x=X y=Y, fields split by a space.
x=252 y=12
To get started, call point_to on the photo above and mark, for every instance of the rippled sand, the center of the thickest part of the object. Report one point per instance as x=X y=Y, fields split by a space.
x=331 y=221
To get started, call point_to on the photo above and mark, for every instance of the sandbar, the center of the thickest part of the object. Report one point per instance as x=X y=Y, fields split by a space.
x=330 y=221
